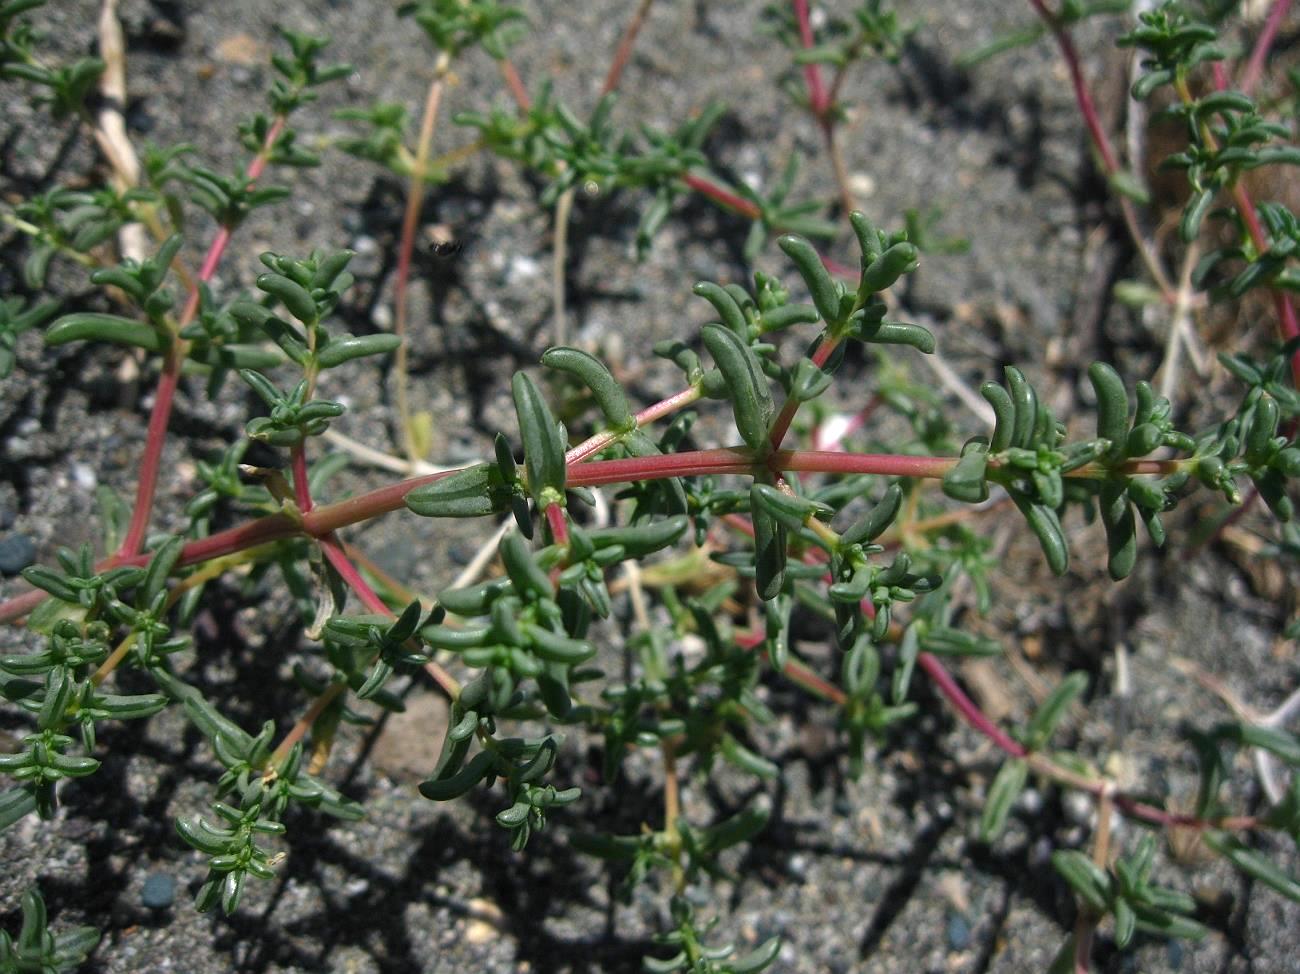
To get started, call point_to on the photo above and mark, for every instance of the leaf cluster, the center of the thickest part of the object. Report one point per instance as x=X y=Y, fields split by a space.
x=1126 y=891
x=36 y=947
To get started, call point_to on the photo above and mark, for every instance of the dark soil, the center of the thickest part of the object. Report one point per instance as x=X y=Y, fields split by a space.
x=879 y=874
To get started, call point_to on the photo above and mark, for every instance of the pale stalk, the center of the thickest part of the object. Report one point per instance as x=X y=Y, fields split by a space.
x=410 y=223
x=563 y=207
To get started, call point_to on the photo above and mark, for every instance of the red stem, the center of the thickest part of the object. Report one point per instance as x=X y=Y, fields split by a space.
x=719 y=195
x=334 y=554
x=855 y=423
x=624 y=51
x=212 y=258
x=796 y=672
x=1129 y=806
x=1158 y=816
x=1084 y=928
x=594 y=444
x=1287 y=325
x=883 y=464
x=555 y=521
x=151 y=461
x=742 y=524
x=812 y=74
x=791 y=406
x=1110 y=161
x=967 y=707
x=321 y=521
x=738 y=460
x=1263 y=44
x=329 y=543
x=1081 y=93
x=976 y=717
x=164 y=397
x=840 y=270
x=301 y=486
x=516 y=85
x=384 y=500
x=745 y=208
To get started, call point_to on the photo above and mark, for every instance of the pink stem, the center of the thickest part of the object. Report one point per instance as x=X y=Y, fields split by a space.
x=1132 y=807
x=883 y=464
x=1287 y=325
x=384 y=500
x=1084 y=929
x=855 y=423
x=625 y=45
x=210 y=261
x=595 y=444
x=1081 y=93
x=967 y=707
x=1100 y=141
x=719 y=195
x=791 y=406
x=349 y=573
x=151 y=461
x=796 y=672
x=739 y=523
x=516 y=85
x=329 y=543
x=301 y=486
x=1158 y=816
x=812 y=74
x=745 y=208
x=1263 y=44
x=321 y=521
x=840 y=270
x=736 y=460
x=976 y=717
x=555 y=521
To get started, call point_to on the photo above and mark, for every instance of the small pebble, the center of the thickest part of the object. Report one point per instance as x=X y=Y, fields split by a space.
x=958 y=932
x=83 y=475
x=159 y=891
x=16 y=552
x=1031 y=801
x=367 y=260
x=1174 y=951
x=524 y=268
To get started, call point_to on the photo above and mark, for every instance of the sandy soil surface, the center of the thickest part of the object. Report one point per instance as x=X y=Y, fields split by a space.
x=881 y=874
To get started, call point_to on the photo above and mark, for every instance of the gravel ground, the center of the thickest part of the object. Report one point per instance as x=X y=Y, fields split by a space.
x=881 y=874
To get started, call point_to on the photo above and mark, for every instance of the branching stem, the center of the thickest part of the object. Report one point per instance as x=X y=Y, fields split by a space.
x=160 y=415
x=782 y=424
x=321 y=521
x=594 y=444
x=1042 y=765
x=304 y=723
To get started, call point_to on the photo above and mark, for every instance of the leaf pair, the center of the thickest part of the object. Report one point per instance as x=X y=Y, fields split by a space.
x=1120 y=497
